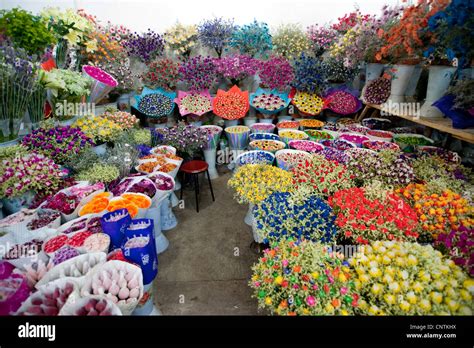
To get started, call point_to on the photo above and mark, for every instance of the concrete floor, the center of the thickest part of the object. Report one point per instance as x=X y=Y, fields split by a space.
x=206 y=268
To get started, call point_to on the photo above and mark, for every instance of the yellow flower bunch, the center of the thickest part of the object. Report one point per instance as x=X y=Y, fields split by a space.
x=181 y=39
x=410 y=279
x=290 y=40
x=100 y=129
x=237 y=129
x=309 y=103
x=292 y=134
x=255 y=182
x=341 y=47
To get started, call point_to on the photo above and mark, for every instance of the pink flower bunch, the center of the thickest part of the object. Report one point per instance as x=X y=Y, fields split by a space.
x=276 y=73
x=236 y=67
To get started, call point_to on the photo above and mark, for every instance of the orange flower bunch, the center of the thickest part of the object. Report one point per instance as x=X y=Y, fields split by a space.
x=130 y=201
x=107 y=47
x=98 y=203
x=404 y=40
x=438 y=213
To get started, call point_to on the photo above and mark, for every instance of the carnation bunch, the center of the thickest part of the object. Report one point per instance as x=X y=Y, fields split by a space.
x=364 y=219
x=161 y=73
x=31 y=172
x=283 y=215
x=397 y=278
x=255 y=182
x=321 y=177
x=303 y=278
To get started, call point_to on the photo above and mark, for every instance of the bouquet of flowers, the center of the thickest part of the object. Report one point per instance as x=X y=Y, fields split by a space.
x=283 y=216
x=236 y=68
x=437 y=212
x=252 y=39
x=120 y=69
x=307 y=103
x=342 y=101
x=363 y=219
x=335 y=71
x=194 y=103
x=276 y=73
x=289 y=40
x=255 y=182
x=99 y=173
x=109 y=41
x=155 y=103
x=321 y=37
x=145 y=47
x=231 y=105
x=31 y=172
x=161 y=73
x=409 y=279
x=303 y=278
x=199 y=73
x=458 y=244
x=215 y=34
x=309 y=74
x=377 y=91
x=99 y=129
x=124 y=119
x=269 y=102
x=348 y=21
x=321 y=177
x=57 y=143
x=185 y=138
x=181 y=39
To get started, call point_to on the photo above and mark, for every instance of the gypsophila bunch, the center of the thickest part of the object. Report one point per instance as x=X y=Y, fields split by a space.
x=304 y=278
x=31 y=172
x=100 y=129
x=320 y=176
x=199 y=73
x=236 y=68
x=99 y=173
x=161 y=73
x=181 y=39
x=216 y=33
x=82 y=161
x=309 y=74
x=397 y=278
x=58 y=143
x=255 y=182
x=289 y=41
x=276 y=73
x=252 y=39
x=363 y=219
x=282 y=215
x=321 y=37
x=124 y=119
x=459 y=245
x=146 y=46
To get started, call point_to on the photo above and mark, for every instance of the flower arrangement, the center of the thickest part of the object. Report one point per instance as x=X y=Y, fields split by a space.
x=288 y=159
x=364 y=219
x=306 y=145
x=185 y=138
x=267 y=145
x=409 y=279
x=255 y=182
x=252 y=39
x=161 y=73
x=437 y=212
x=336 y=72
x=216 y=34
x=231 y=105
x=289 y=40
x=309 y=74
x=181 y=39
x=377 y=91
x=321 y=37
x=31 y=172
x=236 y=68
x=336 y=155
x=379 y=145
x=308 y=103
x=120 y=69
x=342 y=102
x=145 y=47
x=269 y=102
x=282 y=216
x=458 y=244
x=123 y=119
x=276 y=73
x=99 y=173
x=321 y=177
x=199 y=73
x=99 y=129
x=155 y=103
x=25 y=30
x=194 y=103
x=109 y=43
x=348 y=21
x=404 y=40
x=311 y=123
x=57 y=143
x=303 y=278
x=319 y=135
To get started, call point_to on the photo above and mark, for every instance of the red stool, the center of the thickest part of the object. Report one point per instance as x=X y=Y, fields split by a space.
x=194 y=168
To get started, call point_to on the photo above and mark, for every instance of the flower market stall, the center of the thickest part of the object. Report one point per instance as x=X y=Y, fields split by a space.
x=344 y=214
